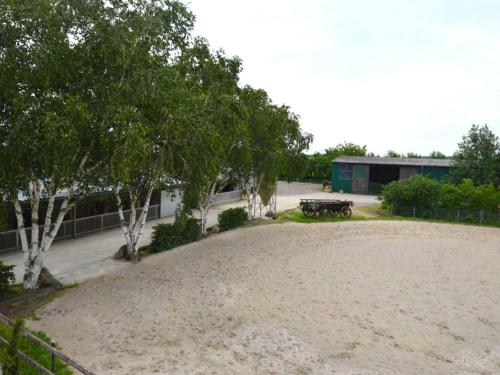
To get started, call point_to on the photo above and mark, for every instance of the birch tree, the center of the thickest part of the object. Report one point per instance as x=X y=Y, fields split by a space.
x=49 y=138
x=274 y=142
x=214 y=148
x=66 y=66
x=148 y=38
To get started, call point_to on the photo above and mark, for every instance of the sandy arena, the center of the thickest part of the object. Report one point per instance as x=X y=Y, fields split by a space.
x=351 y=298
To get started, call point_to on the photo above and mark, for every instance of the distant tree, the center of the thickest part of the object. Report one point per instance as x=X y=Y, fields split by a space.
x=437 y=155
x=413 y=155
x=345 y=149
x=393 y=154
x=478 y=157
x=319 y=164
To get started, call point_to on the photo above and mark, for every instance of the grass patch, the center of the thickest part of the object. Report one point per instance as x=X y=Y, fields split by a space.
x=32 y=350
x=365 y=213
x=12 y=292
x=296 y=215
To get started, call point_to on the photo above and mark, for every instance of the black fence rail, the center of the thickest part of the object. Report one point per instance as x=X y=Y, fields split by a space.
x=449 y=214
x=49 y=348
x=10 y=240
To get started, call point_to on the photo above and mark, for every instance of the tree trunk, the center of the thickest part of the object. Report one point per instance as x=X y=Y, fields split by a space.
x=205 y=205
x=34 y=250
x=134 y=229
x=33 y=263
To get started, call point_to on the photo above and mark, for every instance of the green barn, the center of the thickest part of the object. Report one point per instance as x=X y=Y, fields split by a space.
x=364 y=174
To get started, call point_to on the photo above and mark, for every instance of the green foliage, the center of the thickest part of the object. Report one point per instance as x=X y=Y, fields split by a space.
x=11 y=362
x=413 y=155
x=478 y=157
x=393 y=154
x=181 y=232
x=31 y=349
x=232 y=218
x=437 y=155
x=425 y=193
x=3 y=215
x=319 y=165
x=7 y=277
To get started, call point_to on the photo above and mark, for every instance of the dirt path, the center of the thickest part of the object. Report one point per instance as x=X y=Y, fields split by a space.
x=344 y=298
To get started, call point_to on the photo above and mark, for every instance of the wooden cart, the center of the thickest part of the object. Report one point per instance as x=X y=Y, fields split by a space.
x=326 y=207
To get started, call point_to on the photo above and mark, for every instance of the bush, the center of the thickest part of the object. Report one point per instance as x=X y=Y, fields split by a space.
x=181 y=232
x=232 y=218
x=425 y=193
x=7 y=277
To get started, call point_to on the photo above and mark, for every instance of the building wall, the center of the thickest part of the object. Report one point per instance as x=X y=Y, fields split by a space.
x=169 y=202
x=436 y=173
x=342 y=177
x=342 y=174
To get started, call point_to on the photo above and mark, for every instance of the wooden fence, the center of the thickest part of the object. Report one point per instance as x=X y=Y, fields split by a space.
x=449 y=214
x=73 y=228
x=49 y=348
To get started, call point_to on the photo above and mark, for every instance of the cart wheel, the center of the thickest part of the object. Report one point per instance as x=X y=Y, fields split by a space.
x=346 y=212
x=307 y=213
x=333 y=213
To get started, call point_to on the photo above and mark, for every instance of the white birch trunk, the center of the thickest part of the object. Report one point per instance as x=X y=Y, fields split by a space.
x=142 y=221
x=134 y=229
x=123 y=222
x=34 y=250
x=250 y=199
x=205 y=205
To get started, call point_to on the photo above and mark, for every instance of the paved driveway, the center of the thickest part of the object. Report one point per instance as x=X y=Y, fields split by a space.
x=89 y=256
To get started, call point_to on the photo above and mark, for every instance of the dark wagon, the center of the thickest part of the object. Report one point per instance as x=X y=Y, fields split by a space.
x=326 y=207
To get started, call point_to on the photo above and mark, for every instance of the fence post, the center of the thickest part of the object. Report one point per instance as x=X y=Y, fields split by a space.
x=458 y=215
x=481 y=216
x=53 y=358
x=414 y=211
x=102 y=223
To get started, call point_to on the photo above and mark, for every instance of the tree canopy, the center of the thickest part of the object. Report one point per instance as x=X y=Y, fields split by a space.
x=98 y=95
x=478 y=157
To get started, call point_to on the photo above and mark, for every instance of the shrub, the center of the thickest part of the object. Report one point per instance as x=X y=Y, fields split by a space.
x=424 y=193
x=232 y=218
x=7 y=277
x=180 y=232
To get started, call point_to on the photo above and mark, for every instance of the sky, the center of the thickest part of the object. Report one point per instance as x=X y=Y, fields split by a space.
x=405 y=75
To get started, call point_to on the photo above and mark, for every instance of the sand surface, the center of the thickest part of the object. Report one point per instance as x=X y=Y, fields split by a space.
x=333 y=298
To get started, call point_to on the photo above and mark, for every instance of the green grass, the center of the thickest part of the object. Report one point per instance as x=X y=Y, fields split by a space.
x=32 y=350
x=12 y=292
x=373 y=212
x=297 y=216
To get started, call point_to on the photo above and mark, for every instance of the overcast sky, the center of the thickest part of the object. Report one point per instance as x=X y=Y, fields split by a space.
x=405 y=75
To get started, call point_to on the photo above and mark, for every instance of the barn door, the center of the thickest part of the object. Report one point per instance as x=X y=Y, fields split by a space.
x=406 y=172
x=360 y=175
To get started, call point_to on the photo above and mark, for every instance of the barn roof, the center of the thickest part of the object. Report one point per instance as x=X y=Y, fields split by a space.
x=414 y=162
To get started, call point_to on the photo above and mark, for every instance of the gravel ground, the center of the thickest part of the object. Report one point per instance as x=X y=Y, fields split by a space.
x=334 y=298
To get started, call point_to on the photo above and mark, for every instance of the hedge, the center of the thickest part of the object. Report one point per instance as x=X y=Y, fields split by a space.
x=181 y=232
x=425 y=193
x=232 y=218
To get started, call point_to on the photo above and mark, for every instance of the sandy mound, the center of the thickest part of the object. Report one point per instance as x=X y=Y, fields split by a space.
x=343 y=298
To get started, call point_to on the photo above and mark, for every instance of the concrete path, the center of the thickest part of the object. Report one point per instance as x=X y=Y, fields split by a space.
x=75 y=260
